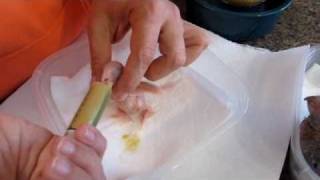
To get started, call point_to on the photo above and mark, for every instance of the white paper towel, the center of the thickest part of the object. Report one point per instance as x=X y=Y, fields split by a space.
x=256 y=147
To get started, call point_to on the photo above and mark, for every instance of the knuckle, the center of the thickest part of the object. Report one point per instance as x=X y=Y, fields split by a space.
x=157 y=8
x=156 y=5
x=175 y=11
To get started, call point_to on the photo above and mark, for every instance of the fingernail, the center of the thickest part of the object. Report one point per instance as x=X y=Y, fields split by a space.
x=61 y=166
x=90 y=134
x=66 y=147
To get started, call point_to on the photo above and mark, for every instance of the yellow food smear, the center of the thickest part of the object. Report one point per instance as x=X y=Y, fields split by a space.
x=131 y=142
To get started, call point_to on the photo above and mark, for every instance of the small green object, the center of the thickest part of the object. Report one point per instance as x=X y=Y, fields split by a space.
x=93 y=105
x=131 y=142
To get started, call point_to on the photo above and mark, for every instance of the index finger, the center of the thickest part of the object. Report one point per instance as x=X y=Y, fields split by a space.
x=143 y=47
x=100 y=38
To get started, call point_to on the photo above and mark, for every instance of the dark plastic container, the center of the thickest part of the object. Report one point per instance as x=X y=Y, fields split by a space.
x=236 y=24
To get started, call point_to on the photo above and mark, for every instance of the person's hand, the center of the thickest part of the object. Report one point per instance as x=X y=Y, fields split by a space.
x=72 y=157
x=152 y=22
x=30 y=152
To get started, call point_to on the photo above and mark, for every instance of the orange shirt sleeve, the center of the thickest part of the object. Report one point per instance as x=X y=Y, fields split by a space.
x=30 y=31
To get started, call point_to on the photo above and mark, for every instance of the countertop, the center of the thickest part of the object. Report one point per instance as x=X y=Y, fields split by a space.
x=299 y=25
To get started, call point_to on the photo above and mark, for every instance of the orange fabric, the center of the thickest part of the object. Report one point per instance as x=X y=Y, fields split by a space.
x=30 y=31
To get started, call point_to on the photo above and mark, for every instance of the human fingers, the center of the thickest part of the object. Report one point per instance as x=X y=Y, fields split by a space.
x=91 y=137
x=146 y=20
x=196 y=40
x=100 y=32
x=82 y=156
x=172 y=46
